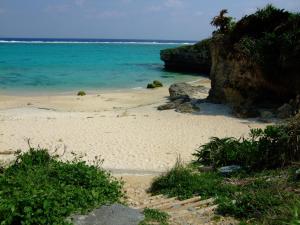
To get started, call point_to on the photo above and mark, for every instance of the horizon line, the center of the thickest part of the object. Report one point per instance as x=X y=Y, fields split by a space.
x=114 y=39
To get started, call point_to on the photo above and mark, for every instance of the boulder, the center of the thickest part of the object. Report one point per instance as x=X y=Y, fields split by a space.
x=167 y=106
x=184 y=90
x=297 y=175
x=228 y=170
x=187 y=107
x=285 y=111
x=266 y=116
x=115 y=214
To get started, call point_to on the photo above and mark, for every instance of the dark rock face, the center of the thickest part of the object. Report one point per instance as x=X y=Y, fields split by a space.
x=110 y=215
x=257 y=62
x=285 y=111
x=242 y=83
x=193 y=58
x=289 y=109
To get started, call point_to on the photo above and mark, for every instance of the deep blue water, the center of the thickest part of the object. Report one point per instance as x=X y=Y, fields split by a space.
x=63 y=65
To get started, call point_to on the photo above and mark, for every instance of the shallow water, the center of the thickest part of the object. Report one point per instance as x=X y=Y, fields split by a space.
x=34 y=67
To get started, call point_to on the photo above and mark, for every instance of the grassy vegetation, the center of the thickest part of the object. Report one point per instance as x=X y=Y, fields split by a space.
x=155 y=84
x=40 y=189
x=260 y=198
x=184 y=182
x=263 y=198
x=81 y=93
x=273 y=147
x=266 y=191
x=154 y=216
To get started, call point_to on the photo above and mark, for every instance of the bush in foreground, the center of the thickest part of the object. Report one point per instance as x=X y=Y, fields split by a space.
x=276 y=146
x=154 y=216
x=39 y=189
x=262 y=198
x=184 y=183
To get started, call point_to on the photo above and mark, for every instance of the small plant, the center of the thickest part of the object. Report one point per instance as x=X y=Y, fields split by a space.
x=81 y=93
x=40 y=189
x=157 y=83
x=185 y=183
x=151 y=86
x=154 y=216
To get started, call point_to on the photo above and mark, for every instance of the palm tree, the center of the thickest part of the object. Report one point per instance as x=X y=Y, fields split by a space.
x=221 y=21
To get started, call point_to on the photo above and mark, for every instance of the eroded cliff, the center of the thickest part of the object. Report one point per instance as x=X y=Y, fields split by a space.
x=191 y=58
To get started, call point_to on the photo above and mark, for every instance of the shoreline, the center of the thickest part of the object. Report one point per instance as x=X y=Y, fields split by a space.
x=125 y=129
x=18 y=93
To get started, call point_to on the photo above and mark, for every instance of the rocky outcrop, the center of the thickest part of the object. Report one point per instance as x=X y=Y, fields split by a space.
x=191 y=58
x=289 y=109
x=183 y=98
x=185 y=90
x=256 y=65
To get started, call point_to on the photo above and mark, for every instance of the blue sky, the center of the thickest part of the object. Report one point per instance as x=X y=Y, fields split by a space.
x=140 y=19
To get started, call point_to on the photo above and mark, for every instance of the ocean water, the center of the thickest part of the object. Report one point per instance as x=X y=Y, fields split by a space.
x=60 y=65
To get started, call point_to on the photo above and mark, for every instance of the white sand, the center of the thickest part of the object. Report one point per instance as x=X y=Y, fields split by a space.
x=124 y=128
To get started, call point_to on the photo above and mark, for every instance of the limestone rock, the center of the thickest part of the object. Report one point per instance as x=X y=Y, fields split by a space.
x=186 y=107
x=228 y=170
x=115 y=214
x=167 y=106
x=184 y=90
x=191 y=58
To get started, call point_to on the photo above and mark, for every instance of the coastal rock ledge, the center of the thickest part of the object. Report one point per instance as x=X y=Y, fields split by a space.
x=192 y=58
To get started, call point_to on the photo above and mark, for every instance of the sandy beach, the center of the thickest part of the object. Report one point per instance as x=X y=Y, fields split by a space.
x=123 y=128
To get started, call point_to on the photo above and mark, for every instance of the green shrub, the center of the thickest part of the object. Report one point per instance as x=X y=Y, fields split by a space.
x=154 y=216
x=261 y=201
x=40 y=189
x=184 y=183
x=157 y=83
x=275 y=146
x=151 y=86
x=81 y=93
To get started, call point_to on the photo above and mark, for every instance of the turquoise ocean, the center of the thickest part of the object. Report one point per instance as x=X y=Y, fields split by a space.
x=29 y=66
